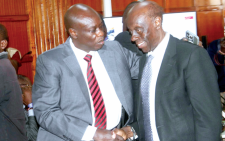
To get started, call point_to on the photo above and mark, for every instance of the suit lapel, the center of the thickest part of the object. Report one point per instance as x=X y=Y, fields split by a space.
x=167 y=65
x=108 y=59
x=72 y=63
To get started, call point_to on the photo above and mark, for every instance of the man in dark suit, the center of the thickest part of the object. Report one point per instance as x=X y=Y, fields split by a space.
x=12 y=120
x=69 y=77
x=178 y=96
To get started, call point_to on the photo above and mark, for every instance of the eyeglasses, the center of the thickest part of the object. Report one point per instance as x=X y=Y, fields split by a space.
x=25 y=85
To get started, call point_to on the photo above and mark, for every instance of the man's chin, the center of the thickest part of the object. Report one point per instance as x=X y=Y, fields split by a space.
x=98 y=47
x=145 y=49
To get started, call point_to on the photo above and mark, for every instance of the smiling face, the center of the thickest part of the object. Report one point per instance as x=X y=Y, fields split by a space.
x=88 y=32
x=145 y=27
x=143 y=32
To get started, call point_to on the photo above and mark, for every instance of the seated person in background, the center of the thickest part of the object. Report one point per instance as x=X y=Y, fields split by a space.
x=31 y=123
x=12 y=120
x=216 y=50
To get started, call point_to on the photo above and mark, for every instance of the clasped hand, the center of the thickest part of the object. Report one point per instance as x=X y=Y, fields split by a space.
x=114 y=135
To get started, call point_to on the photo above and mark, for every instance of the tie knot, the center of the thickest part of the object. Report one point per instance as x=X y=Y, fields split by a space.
x=88 y=58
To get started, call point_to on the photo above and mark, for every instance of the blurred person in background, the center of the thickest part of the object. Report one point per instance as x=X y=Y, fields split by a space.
x=31 y=123
x=216 y=51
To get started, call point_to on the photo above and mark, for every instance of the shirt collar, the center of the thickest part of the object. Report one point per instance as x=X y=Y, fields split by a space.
x=161 y=48
x=80 y=53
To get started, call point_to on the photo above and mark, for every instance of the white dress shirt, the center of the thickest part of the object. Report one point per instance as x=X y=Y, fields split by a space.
x=112 y=102
x=156 y=62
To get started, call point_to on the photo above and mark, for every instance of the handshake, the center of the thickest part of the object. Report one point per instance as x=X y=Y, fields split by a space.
x=114 y=135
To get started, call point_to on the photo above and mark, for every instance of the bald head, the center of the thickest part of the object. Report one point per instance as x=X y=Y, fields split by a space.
x=85 y=27
x=150 y=8
x=77 y=12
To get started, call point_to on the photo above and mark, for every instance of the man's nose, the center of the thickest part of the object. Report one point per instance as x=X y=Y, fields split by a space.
x=134 y=36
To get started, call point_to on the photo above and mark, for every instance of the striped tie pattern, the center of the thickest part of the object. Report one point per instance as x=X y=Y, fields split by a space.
x=98 y=102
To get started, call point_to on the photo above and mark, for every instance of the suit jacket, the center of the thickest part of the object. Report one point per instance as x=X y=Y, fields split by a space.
x=12 y=120
x=213 y=50
x=31 y=127
x=187 y=99
x=60 y=94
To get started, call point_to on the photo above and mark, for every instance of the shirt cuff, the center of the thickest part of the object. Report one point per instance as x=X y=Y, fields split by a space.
x=30 y=112
x=30 y=105
x=89 y=133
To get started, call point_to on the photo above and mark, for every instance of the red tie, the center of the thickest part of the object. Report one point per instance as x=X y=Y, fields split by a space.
x=98 y=102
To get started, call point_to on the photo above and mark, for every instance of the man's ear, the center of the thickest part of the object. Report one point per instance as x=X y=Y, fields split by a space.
x=4 y=44
x=73 y=33
x=157 y=22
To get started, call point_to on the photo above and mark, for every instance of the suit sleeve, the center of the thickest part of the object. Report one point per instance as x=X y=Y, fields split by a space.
x=46 y=95
x=132 y=60
x=203 y=91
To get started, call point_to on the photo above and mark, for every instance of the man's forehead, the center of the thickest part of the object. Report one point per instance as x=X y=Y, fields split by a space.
x=138 y=18
x=85 y=15
x=89 y=21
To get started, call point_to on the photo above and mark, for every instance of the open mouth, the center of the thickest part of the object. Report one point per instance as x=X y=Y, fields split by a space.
x=140 y=44
x=101 y=41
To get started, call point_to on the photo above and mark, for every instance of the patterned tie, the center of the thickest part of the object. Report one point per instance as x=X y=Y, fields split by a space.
x=98 y=102
x=145 y=84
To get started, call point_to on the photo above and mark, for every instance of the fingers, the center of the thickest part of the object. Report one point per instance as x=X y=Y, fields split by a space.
x=117 y=137
x=106 y=135
x=114 y=135
x=120 y=133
